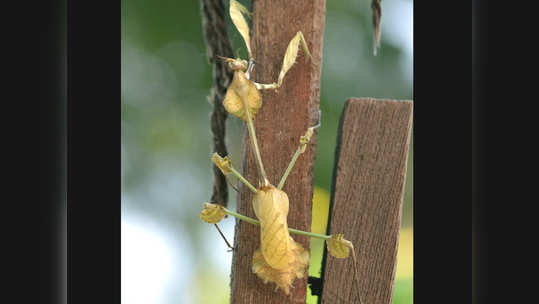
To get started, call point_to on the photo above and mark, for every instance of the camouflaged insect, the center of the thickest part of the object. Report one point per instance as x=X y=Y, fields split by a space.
x=280 y=259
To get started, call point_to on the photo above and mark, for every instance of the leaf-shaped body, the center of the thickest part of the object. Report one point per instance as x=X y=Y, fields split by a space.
x=271 y=208
x=280 y=259
x=242 y=89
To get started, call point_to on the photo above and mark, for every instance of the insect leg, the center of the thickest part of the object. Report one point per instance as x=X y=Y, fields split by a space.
x=230 y=183
x=225 y=165
x=303 y=141
x=263 y=86
x=288 y=61
x=291 y=54
x=224 y=238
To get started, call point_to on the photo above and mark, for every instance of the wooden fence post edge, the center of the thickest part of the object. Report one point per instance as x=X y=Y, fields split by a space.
x=373 y=140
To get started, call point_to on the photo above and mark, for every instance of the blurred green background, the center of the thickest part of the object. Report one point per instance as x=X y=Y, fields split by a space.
x=168 y=254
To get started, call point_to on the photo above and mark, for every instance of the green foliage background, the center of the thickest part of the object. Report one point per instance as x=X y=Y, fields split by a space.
x=166 y=172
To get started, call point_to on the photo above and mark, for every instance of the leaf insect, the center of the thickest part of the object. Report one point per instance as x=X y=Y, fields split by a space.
x=279 y=259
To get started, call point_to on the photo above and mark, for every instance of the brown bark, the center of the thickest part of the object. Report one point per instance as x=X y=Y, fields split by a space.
x=285 y=116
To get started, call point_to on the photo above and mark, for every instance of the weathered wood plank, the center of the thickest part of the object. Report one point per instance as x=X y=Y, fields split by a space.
x=367 y=194
x=285 y=116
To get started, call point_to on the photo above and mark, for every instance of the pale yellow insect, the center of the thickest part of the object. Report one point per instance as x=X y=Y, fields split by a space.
x=279 y=259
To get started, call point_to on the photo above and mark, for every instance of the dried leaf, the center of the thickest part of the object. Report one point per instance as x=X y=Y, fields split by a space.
x=291 y=54
x=212 y=213
x=223 y=163
x=376 y=6
x=236 y=10
x=338 y=246
x=241 y=89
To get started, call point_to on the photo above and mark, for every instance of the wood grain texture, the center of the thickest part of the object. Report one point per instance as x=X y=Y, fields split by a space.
x=366 y=201
x=284 y=117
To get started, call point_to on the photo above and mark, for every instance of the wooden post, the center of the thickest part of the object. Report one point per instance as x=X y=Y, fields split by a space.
x=285 y=116
x=366 y=200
